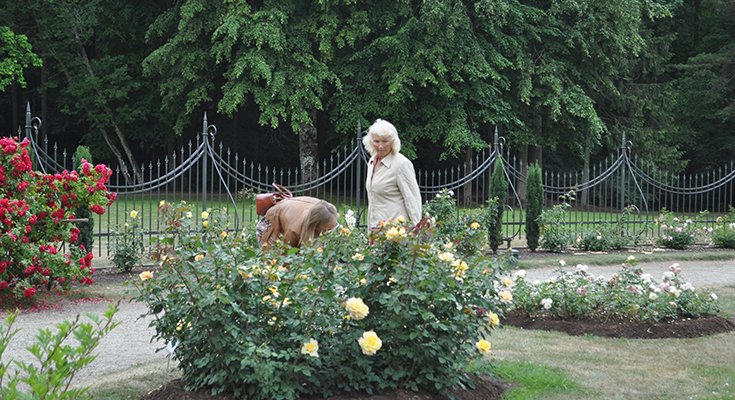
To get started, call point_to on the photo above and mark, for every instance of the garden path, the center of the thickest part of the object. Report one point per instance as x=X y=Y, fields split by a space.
x=128 y=352
x=699 y=273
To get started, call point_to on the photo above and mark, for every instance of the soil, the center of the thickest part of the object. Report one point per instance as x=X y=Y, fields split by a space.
x=620 y=328
x=486 y=388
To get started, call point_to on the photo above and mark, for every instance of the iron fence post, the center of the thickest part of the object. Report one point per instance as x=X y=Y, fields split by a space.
x=28 y=121
x=622 y=175
x=358 y=184
x=204 y=161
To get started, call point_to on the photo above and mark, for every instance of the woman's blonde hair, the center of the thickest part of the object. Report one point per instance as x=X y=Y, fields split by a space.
x=322 y=213
x=384 y=129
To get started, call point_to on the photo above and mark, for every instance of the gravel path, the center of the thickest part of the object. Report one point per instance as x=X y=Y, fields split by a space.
x=127 y=352
x=699 y=273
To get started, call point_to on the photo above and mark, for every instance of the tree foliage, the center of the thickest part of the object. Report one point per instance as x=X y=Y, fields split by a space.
x=16 y=54
x=567 y=76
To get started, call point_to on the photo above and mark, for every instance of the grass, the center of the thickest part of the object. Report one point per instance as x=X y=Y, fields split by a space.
x=134 y=383
x=605 y=368
x=529 y=381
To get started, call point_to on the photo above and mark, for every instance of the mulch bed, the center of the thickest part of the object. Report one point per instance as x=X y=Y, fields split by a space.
x=620 y=328
x=486 y=388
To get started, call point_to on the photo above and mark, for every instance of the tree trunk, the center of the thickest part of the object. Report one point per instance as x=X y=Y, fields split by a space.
x=93 y=116
x=308 y=149
x=118 y=132
x=584 y=198
x=82 y=51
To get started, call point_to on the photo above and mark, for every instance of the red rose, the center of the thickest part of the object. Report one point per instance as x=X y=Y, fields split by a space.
x=30 y=292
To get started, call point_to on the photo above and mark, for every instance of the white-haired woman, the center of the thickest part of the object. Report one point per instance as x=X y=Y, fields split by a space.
x=391 y=183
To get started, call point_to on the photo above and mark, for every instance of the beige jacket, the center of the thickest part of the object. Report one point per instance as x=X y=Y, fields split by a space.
x=393 y=190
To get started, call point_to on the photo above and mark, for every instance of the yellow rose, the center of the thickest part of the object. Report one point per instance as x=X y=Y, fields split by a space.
x=507 y=282
x=446 y=256
x=370 y=343
x=162 y=203
x=358 y=257
x=199 y=257
x=363 y=281
x=400 y=219
x=357 y=308
x=223 y=234
x=460 y=266
x=494 y=319
x=505 y=296
x=395 y=234
x=133 y=214
x=475 y=225
x=483 y=346
x=205 y=215
x=189 y=214
x=145 y=275
x=310 y=348
x=205 y=224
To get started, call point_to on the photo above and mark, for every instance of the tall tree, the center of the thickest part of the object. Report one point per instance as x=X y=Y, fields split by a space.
x=93 y=54
x=575 y=54
x=436 y=69
x=276 y=53
x=704 y=83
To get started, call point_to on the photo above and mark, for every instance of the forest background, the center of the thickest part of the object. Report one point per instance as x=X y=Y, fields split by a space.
x=287 y=81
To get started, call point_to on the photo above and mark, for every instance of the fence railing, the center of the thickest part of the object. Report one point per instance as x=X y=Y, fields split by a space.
x=207 y=175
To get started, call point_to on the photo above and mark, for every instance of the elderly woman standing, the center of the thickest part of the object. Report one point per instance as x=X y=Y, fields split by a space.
x=391 y=184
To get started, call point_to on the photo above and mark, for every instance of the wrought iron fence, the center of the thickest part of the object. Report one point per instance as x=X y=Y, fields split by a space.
x=206 y=175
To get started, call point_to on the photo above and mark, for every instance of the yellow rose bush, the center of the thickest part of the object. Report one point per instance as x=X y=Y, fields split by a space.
x=467 y=232
x=127 y=241
x=290 y=323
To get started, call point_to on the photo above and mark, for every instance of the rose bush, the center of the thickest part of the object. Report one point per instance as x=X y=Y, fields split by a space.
x=338 y=315
x=629 y=294
x=32 y=207
x=127 y=245
x=675 y=232
x=468 y=232
x=723 y=234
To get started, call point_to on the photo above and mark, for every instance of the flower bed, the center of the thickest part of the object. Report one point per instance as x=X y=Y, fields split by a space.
x=629 y=294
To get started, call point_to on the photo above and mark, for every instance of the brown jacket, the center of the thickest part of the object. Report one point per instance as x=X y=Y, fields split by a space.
x=286 y=218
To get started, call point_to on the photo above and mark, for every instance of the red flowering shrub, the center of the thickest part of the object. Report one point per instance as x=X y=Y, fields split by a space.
x=32 y=207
